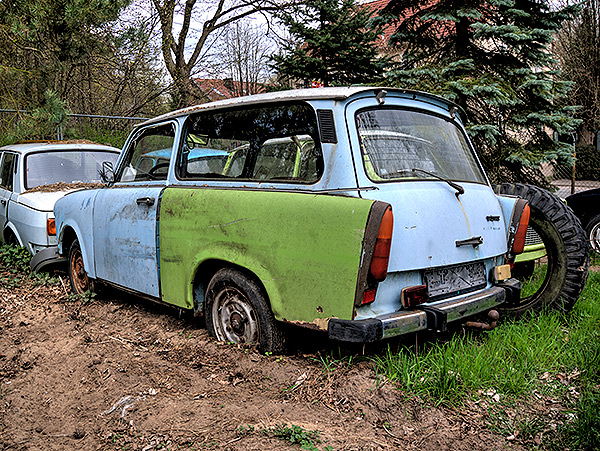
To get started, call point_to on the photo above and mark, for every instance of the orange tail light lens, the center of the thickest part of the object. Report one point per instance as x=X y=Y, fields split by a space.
x=51 y=227
x=519 y=240
x=381 y=255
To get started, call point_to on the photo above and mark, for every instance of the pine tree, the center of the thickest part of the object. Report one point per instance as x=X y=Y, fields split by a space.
x=578 y=50
x=493 y=59
x=331 y=44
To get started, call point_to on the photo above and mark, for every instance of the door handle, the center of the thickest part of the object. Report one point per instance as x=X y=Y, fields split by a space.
x=149 y=201
x=3 y=201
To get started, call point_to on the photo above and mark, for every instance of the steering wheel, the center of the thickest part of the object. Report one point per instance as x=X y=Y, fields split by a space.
x=151 y=172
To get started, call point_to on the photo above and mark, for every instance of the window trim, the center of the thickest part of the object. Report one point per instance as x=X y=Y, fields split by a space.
x=132 y=142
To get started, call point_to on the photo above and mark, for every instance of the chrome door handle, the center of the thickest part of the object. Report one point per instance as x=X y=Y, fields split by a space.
x=3 y=201
x=145 y=201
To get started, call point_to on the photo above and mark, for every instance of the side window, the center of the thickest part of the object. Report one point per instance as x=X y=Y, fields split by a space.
x=288 y=158
x=7 y=170
x=207 y=155
x=270 y=143
x=149 y=154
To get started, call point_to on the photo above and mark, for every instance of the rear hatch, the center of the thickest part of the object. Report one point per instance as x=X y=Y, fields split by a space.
x=416 y=156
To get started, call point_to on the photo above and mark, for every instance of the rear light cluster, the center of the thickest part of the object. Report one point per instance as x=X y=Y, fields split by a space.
x=383 y=245
x=380 y=258
x=518 y=243
x=413 y=296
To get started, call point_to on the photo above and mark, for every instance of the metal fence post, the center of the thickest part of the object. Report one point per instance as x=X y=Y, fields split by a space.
x=574 y=136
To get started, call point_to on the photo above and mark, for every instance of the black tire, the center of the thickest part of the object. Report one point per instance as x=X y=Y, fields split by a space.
x=566 y=250
x=592 y=232
x=237 y=311
x=80 y=282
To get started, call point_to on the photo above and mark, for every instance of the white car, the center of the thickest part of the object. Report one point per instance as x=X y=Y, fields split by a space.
x=34 y=176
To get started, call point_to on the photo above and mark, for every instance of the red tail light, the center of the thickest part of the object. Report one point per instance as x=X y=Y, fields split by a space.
x=381 y=255
x=412 y=296
x=521 y=233
x=369 y=296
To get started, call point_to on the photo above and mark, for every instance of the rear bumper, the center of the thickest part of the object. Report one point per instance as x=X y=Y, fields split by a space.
x=45 y=258
x=433 y=316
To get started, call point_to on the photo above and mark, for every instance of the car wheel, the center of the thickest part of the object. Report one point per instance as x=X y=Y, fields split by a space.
x=237 y=311
x=592 y=231
x=560 y=276
x=80 y=282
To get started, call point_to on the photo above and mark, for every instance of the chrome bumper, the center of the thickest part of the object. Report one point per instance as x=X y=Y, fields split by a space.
x=432 y=316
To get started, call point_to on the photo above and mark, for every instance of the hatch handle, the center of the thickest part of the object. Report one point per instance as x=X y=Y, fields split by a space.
x=473 y=241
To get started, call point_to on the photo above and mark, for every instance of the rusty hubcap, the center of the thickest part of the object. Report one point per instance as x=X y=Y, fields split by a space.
x=78 y=274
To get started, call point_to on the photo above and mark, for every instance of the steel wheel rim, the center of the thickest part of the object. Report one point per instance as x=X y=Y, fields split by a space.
x=594 y=237
x=234 y=318
x=80 y=278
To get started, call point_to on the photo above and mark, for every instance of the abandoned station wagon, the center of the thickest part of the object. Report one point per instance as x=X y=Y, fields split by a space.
x=358 y=211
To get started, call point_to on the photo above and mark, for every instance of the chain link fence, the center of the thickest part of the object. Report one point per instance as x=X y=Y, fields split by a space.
x=582 y=175
x=109 y=130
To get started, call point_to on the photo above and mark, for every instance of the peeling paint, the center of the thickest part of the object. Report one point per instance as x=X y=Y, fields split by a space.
x=316 y=324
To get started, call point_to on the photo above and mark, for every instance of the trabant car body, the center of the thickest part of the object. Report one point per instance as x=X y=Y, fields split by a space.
x=33 y=176
x=378 y=221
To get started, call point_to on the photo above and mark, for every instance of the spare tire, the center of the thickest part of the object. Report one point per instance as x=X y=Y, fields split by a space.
x=562 y=273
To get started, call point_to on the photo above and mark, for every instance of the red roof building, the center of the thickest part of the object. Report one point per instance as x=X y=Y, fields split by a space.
x=215 y=89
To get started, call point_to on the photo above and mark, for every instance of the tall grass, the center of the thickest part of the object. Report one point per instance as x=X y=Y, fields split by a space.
x=513 y=360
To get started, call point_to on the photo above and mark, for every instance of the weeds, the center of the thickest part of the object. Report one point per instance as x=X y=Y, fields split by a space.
x=293 y=434
x=84 y=298
x=43 y=278
x=331 y=363
x=296 y=434
x=14 y=259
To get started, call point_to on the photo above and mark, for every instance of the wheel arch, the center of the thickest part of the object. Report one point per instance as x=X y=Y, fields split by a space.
x=9 y=230
x=206 y=270
x=67 y=235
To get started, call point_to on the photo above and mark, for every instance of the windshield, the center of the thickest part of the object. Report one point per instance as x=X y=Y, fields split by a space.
x=402 y=144
x=47 y=168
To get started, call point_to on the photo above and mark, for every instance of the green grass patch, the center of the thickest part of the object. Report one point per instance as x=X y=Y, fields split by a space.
x=509 y=361
x=506 y=361
x=532 y=284
x=549 y=353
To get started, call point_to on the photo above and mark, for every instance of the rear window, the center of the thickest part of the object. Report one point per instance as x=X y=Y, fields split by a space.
x=399 y=144
x=47 y=168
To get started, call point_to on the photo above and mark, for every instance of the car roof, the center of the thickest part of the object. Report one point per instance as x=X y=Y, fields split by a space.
x=337 y=93
x=55 y=146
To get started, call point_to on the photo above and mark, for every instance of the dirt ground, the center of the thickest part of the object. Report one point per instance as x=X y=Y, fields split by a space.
x=122 y=373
